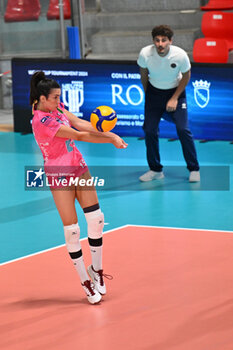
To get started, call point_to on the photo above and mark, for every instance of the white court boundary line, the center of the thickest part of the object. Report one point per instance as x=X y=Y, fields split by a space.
x=181 y=228
x=50 y=249
x=115 y=229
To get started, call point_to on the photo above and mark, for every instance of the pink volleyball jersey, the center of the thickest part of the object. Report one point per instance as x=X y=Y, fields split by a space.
x=57 y=151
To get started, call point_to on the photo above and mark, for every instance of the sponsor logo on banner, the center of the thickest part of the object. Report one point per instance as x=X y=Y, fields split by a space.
x=201 y=92
x=73 y=96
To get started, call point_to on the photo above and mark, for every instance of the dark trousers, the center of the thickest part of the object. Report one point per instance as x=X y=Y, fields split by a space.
x=155 y=109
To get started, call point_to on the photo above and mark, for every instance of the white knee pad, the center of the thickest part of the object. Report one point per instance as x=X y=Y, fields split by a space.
x=95 y=224
x=72 y=235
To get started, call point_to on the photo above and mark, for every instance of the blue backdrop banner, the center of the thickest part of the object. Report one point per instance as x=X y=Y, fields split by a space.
x=87 y=84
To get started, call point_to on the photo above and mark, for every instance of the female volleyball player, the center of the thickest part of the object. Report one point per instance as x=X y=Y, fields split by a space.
x=52 y=127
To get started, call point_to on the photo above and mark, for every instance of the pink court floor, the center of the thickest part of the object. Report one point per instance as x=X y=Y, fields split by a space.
x=171 y=290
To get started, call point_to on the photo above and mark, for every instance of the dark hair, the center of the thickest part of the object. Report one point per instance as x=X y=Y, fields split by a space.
x=162 y=30
x=40 y=85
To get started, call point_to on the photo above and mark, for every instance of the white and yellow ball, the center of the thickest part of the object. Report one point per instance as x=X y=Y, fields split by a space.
x=103 y=118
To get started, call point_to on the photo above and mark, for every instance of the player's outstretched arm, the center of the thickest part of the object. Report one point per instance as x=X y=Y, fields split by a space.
x=84 y=125
x=80 y=124
x=86 y=136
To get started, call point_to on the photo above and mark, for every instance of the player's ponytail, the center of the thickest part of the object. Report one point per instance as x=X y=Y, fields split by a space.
x=40 y=85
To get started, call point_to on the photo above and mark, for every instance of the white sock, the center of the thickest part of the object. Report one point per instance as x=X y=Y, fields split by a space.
x=96 y=255
x=81 y=269
x=72 y=234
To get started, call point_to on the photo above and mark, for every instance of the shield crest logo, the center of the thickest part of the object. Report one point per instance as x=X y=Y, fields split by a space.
x=201 y=92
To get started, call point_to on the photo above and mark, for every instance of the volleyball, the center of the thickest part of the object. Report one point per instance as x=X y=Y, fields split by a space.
x=103 y=118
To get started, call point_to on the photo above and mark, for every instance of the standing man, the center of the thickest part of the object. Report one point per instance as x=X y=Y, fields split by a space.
x=165 y=72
